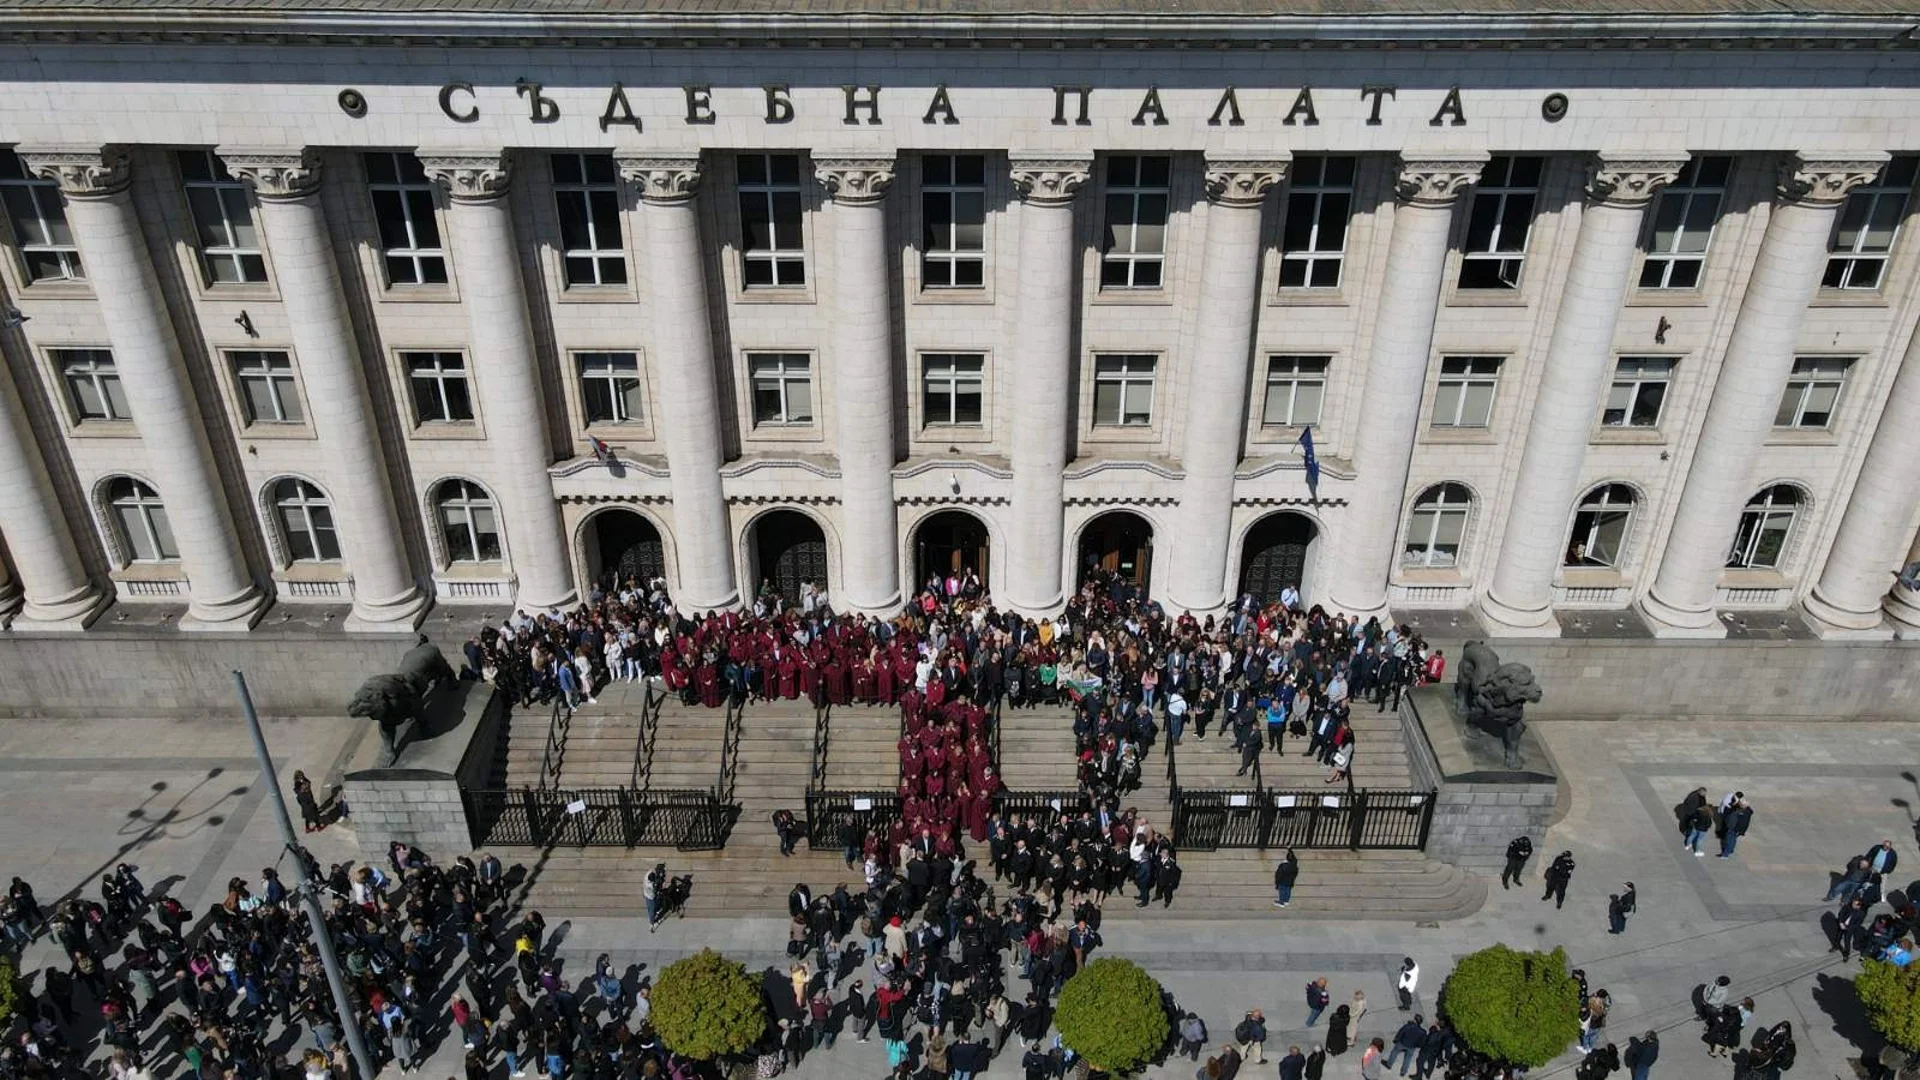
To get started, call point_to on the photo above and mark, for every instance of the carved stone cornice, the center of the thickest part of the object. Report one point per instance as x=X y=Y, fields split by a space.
x=1438 y=179
x=83 y=172
x=468 y=175
x=854 y=180
x=664 y=179
x=276 y=175
x=1049 y=179
x=1244 y=181
x=1631 y=180
x=1825 y=179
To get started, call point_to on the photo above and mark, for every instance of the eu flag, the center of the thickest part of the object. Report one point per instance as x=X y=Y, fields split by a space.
x=1313 y=463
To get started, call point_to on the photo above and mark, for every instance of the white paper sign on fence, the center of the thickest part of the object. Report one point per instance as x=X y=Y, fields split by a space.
x=578 y=806
x=863 y=804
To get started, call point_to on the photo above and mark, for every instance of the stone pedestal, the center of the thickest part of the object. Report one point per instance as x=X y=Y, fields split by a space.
x=1480 y=805
x=417 y=799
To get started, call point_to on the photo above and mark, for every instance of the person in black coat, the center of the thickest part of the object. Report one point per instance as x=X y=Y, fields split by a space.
x=1518 y=852
x=1316 y=1065
x=1641 y=1054
x=1619 y=906
x=1284 y=875
x=1557 y=877
x=1337 y=1030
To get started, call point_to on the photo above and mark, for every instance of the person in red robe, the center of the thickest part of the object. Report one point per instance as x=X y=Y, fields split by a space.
x=835 y=677
x=788 y=673
x=707 y=679
x=863 y=683
x=883 y=689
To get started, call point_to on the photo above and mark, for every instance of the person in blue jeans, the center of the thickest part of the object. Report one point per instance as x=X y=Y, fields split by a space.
x=1317 y=999
x=1284 y=876
x=1642 y=1053
x=1733 y=826
x=1699 y=820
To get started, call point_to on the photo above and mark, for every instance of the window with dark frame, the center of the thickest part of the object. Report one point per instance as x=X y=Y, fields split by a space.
x=1760 y=543
x=1601 y=525
x=953 y=387
x=953 y=211
x=469 y=522
x=1296 y=386
x=93 y=384
x=1683 y=224
x=223 y=225
x=439 y=382
x=1436 y=526
x=782 y=388
x=1638 y=393
x=1313 y=242
x=1464 y=397
x=38 y=220
x=1123 y=389
x=306 y=522
x=267 y=391
x=1813 y=390
x=586 y=191
x=1497 y=228
x=1868 y=225
x=1135 y=248
x=141 y=520
x=610 y=386
x=403 y=210
x=773 y=241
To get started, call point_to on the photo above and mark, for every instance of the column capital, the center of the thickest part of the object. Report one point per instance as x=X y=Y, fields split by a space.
x=82 y=172
x=663 y=179
x=1244 y=182
x=1437 y=179
x=1631 y=180
x=1825 y=179
x=856 y=180
x=1049 y=179
x=278 y=174
x=468 y=175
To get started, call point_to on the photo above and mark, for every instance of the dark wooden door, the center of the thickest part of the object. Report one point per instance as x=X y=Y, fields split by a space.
x=1276 y=556
x=792 y=550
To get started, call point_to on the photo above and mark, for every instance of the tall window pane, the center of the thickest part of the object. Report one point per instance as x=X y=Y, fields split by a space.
x=222 y=220
x=1600 y=527
x=782 y=387
x=1813 y=392
x=1502 y=216
x=953 y=212
x=403 y=209
x=93 y=384
x=439 y=383
x=1638 y=393
x=1136 y=222
x=1464 y=397
x=38 y=221
x=1313 y=241
x=1436 y=527
x=610 y=386
x=266 y=386
x=770 y=220
x=1295 y=387
x=587 y=193
x=1869 y=223
x=952 y=386
x=1683 y=222
x=1123 y=390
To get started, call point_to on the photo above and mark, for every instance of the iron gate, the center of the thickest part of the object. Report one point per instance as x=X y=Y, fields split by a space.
x=1207 y=820
x=828 y=810
x=687 y=819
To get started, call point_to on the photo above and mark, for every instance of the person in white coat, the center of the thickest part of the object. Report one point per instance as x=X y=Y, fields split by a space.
x=1407 y=983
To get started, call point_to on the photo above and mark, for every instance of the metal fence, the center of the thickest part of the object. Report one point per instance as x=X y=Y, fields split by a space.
x=1354 y=819
x=827 y=811
x=687 y=819
x=1044 y=806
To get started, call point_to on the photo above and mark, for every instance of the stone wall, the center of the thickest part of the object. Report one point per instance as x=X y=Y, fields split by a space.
x=1853 y=680
x=1473 y=823
x=129 y=674
x=417 y=808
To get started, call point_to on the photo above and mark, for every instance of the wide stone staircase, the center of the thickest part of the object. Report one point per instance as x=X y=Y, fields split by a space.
x=775 y=755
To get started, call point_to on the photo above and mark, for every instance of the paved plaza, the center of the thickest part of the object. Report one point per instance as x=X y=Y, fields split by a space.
x=182 y=800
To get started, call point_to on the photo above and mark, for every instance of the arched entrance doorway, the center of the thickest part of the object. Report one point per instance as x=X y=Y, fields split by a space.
x=1278 y=552
x=950 y=542
x=789 y=548
x=1118 y=548
x=623 y=546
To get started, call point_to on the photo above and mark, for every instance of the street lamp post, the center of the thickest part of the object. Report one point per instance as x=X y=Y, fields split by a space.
x=308 y=890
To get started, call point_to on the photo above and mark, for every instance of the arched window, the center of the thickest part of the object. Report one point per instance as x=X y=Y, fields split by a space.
x=1765 y=526
x=468 y=521
x=306 y=522
x=1600 y=526
x=141 y=520
x=1439 y=521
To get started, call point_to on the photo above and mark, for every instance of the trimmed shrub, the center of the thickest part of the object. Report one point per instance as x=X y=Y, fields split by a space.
x=707 y=1006
x=1891 y=996
x=1517 y=1008
x=1111 y=1014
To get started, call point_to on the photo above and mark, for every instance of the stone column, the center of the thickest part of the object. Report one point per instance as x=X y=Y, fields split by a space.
x=52 y=591
x=1042 y=380
x=287 y=184
x=1217 y=382
x=147 y=356
x=689 y=414
x=506 y=371
x=1579 y=361
x=1759 y=356
x=863 y=374
x=1389 y=422
x=1903 y=603
x=1877 y=525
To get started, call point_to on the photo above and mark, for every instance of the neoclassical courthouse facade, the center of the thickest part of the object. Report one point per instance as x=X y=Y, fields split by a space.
x=1605 y=307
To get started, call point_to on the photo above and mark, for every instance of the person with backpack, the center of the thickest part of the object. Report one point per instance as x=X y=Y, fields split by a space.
x=1251 y=1034
x=1193 y=1036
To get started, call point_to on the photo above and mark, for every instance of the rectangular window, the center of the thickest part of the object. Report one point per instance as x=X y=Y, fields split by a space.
x=953 y=383
x=588 y=194
x=1123 y=390
x=222 y=221
x=1683 y=224
x=1813 y=392
x=266 y=387
x=953 y=209
x=39 y=223
x=1869 y=223
x=1497 y=230
x=1465 y=396
x=439 y=382
x=1136 y=239
x=1295 y=387
x=775 y=252
x=1314 y=241
x=403 y=208
x=93 y=384
x=782 y=388
x=610 y=386
x=1638 y=393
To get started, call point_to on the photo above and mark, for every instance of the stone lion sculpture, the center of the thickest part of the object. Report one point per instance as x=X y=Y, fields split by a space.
x=393 y=700
x=1493 y=696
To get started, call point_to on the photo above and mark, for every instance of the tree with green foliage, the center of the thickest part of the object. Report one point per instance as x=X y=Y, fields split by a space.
x=1517 y=1008
x=707 y=1006
x=9 y=993
x=1112 y=1015
x=1891 y=996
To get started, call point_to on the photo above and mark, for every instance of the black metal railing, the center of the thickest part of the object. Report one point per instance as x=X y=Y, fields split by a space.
x=822 y=735
x=687 y=819
x=1045 y=806
x=827 y=811
x=642 y=776
x=730 y=749
x=553 y=757
x=1353 y=819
